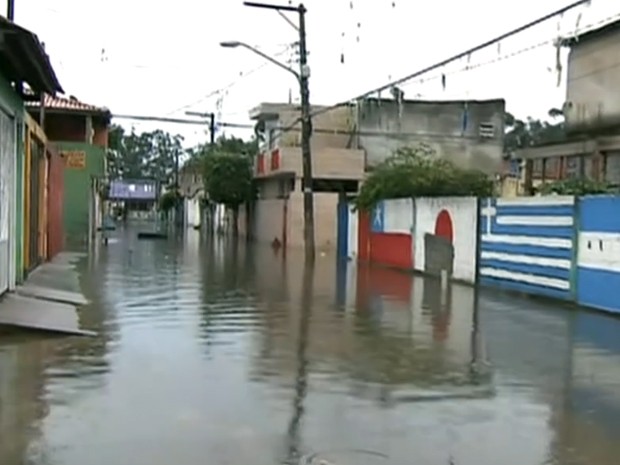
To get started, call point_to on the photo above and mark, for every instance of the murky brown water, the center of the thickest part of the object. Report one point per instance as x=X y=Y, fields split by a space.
x=211 y=356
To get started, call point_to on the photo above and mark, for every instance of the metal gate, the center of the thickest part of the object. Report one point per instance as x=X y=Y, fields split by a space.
x=7 y=194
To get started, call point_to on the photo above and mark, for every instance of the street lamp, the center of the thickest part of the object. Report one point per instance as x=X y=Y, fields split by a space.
x=237 y=44
x=306 y=119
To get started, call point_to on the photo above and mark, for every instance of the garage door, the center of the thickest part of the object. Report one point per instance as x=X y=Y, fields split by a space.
x=7 y=191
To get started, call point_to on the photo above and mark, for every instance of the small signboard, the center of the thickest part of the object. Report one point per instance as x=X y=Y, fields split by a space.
x=75 y=159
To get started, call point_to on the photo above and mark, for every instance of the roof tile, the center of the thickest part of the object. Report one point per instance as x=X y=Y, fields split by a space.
x=68 y=104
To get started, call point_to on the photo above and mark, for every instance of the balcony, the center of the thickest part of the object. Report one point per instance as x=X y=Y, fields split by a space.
x=327 y=163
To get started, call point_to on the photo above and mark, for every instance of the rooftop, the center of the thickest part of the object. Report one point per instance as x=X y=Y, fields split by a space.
x=592 y=34
x=69 y=104
x=23 y=58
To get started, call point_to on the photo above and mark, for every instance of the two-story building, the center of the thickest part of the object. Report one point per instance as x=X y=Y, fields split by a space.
x=80 y=131
x=351 y=139
x=337 y=168
x=592 y=114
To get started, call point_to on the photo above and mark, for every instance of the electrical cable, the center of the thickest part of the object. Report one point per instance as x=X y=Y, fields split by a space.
x=242 y=75
x=323 y=110
x=446 y=61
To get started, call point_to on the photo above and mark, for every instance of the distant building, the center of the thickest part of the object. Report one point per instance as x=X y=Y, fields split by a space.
x=469 y=133
x=349 y=140
x=80 y=131
x=191 y=186
x=592 y=112
x=337 y=169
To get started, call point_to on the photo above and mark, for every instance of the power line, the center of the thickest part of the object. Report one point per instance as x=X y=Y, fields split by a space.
x=233 y=83
x=161 y=119
x=447 y=61
x=514 y=54
x=335 y=132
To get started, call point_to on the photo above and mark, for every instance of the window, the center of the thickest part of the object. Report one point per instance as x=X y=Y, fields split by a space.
x=573 y=167
x=132 y=187
x=486 y=130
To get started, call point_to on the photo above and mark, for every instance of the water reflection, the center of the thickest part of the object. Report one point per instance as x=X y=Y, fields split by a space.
x=211 y=351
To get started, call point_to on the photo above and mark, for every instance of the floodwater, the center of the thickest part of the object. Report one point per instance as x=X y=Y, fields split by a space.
x=211 y=354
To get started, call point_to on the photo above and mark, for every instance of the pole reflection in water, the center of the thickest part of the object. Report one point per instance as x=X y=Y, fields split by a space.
x=301 y=378
x=211 y=351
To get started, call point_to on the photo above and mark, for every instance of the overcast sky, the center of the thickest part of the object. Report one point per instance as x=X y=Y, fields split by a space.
x=162 y=58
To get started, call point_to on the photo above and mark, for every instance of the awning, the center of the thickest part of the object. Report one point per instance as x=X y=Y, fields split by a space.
x=23 y=58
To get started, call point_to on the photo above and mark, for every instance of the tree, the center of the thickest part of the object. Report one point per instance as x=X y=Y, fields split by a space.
x=417 y=172
x=149 y=155
x=228 y=180
x=522 y=134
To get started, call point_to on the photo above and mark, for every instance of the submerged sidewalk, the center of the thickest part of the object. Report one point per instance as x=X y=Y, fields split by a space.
x=49 y=299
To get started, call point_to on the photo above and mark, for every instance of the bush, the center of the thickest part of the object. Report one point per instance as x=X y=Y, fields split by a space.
x=169 y=201
x=576 y=187
x=416 y=172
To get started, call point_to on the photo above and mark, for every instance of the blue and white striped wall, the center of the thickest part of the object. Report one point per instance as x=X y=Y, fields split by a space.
x=598 y=260
x=555 y=246
x=527 y=245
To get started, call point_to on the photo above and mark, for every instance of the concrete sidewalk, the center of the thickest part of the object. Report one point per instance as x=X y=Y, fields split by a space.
x=49 y=299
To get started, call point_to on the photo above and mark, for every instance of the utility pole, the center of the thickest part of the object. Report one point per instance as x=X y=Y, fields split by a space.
x=211 y=117
x=306 y=121
x=10 y=10
x=306 y=134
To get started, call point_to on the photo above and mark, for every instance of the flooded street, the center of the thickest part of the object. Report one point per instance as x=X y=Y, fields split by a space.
x=211 y=354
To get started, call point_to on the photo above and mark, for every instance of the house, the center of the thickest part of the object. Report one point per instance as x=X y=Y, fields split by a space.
x=80 y=132
x=469 y=133
x=350 y=140
x=592 y=114
x=277 y=216
x=23 y=61
x=191 y=186
x=43 y=188
x=137 y=196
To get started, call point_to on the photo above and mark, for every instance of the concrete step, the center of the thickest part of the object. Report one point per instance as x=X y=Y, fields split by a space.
x=41 y=315
x=54 y=295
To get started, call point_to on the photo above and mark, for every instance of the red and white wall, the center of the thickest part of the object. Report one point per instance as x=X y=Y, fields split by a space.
x=427 y=235
x=451 y=222
x=386 y=234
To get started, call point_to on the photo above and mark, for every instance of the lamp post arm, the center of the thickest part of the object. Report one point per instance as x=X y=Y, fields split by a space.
x=271 y=60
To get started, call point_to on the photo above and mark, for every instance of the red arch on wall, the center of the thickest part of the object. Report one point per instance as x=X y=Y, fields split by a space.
x=443 y=226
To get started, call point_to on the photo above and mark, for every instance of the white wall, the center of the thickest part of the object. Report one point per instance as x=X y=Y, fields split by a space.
x=192 y=212
x=353 y=233
x=398 y=216
x=463 y=212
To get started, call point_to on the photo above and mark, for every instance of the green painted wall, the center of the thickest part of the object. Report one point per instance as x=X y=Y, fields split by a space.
x=12 y=104
x=77 y=190
x=19 y=210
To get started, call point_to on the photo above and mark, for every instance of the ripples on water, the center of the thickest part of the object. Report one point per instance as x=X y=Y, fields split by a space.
x=213 y=354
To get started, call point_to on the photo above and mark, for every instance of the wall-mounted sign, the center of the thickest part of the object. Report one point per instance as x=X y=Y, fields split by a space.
x=75 y=159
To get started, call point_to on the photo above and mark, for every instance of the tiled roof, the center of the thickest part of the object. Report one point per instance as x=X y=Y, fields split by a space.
x=68 y=104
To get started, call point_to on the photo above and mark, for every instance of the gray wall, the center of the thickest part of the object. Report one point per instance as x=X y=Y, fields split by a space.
x=592 y=97
x=386 y=125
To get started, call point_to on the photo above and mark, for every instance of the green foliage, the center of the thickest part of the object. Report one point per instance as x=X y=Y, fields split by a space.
x=416 y=172
x=148 y=155
x=228 y=178
x=169 y=201
x=521 y=134
x=576 y=187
